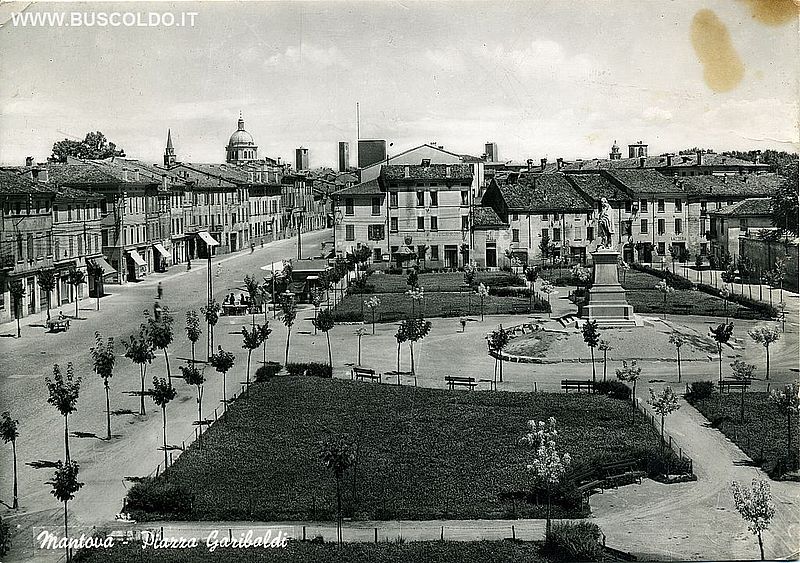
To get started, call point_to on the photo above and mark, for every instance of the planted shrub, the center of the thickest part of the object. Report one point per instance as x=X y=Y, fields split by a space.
x=310 y=369
x=267 y=371
x=578 y=541
x=614 y=389
x=759 y=308
x=665 y=462
x=700 y=390
x=157 y=496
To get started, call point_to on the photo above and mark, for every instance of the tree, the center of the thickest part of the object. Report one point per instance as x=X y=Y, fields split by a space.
x=725 y=293
x=140 y=352
x=17 y=291
x=63 y=391
x=765 y=335
x=265 y=332
x=401 y=336
x=360 y=332
x=784 y=202
x=252 y=287
x=251 y=339
x=94 y=146
x=779 y=273
x=76 y=278
x=163 y=392
x=605 y=347
x=194 y=376
x=673 y=254
x=10 y=433
x=222 y=362
x=482 y=293
x=630 y=373
x=193 y=330
x=665 y=290
x=373 y=303
x=498 y=339
x=678 y=340
x=412 y=281
x=591 y=336
x=325 y=323
x=160 y=332
x=547 y=465
x=103 y=358
x=211 y=313
x=531 y=274
x=470 y=272
x=742 y=371
x=95 y=272
x=417 y=294
x=316 y=300
x=337 y=455
x=755 y=506
x=289 y=308
x=65 y=484
x=664 y=404
x=548 y=289
x=722 y=334
x=545 y=246
x=47 y=283
x=698 y=263
x=416 y=329
x=788 y=402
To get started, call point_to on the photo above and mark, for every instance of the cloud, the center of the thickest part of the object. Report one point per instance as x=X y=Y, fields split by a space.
x=657 y=115
x=306 y=53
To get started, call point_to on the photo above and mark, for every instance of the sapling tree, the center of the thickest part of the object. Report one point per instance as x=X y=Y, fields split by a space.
x=765 y=335
x=64 y=389
x=400 y=336
x=139 y=350
x=76 y=278
x=65 y=484
x=547 y=465
x=372 y=304
x=47 y=283
x=664 y=403
x=289 y=308
x=360 y=332
x=482 y=292
x=325 y=323
x=95 y=272
x=722 y=334
x=103 y=359
x=665 y=289
x=9 y=432
x=17 y=291
x=265 y=332
x=251 y=340
x=160 y=332
x=630 y=373
x=193 y=331
x=677 y=340
x=591 y=336
x=417 y=294
x=531 y=275
x=253 y=290
x=316 y=295
x=470 y=272
x=163 y=392
x=548 y=289
x=337 y=456
x=743 y=372
x=211 y=314
x=417 y=328
x=788 y=402
x=605 y=347
x=725 y=293
x=194 y=376
x=222 y=362
x=754 y=504
x=498 y=339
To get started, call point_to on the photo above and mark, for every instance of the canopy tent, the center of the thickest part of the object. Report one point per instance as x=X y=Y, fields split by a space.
x=207 y=238
x=104 y=266
x=161 y=250
x=136 y=257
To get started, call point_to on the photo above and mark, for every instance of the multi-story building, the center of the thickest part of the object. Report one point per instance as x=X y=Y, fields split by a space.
x=359 y=215
x=731 y=222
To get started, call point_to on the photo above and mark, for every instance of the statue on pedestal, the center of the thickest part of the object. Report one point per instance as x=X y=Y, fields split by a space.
x=605 y=225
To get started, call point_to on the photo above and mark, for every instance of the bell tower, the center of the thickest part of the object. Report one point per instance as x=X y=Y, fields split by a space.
x=169 y=152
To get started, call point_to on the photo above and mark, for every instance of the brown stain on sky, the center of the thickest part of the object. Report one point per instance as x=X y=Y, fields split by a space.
x=722 y=68
x=773 y=12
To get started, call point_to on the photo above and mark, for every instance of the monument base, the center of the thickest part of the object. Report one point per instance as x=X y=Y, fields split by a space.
x=606 y=302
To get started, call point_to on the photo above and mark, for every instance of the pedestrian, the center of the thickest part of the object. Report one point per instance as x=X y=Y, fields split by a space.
x=160 y=290
x=252 y=248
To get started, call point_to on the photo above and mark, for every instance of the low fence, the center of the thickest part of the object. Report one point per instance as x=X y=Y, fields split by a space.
x=666 y=439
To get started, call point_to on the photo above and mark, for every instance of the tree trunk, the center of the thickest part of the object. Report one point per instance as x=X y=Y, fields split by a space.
x=594 y=375
x=66 y=438
x=500 y=353
x=66 y=533
x=330 y=354
x=413 y=368
x=166 y=359
x=741 y=407
x=200 y=415
x=192 y=352
x=108 y=412
x=605 y=364
x=338 y=511
x=164 y=418
x=19 y=331
x=48 y=305
x=224 y=393
x=142 y=371
x=789 y=435
x=286 y=356
x=359 y=350
x=398 y=363
x=761 y=546
x=211 y=335
x=767 y=348
x=15 y=503
x=315 y=319
x=679 y=365
x=249 y=353
x=548 y=525
x=719 y=348
x=373 y=321
x=662 y=432
x=76 y=302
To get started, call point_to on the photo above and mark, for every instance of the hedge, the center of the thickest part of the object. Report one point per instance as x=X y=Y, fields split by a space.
x=575 y=541
x=758 y=306
x=270 y=369
x=614 y=389
x=311 y=369
x=158 y=496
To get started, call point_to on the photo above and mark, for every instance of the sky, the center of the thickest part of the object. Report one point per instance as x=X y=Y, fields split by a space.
x=542 y=78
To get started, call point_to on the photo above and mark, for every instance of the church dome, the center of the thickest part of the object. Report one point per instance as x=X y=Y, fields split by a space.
x=240 y=136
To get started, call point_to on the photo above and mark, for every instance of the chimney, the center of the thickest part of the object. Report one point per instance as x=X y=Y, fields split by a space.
x=530 y=165
x=124 y=174
x=447 y=171
x=136 y=175
x=28 y=161
x=559 y=163
x=669 y=160
x=544 y=163
x=641 y=161
x=407 y=172
x=699 y=155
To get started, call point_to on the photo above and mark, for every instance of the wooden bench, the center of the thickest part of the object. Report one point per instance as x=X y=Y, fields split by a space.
x=577 y=384
x=682 y=308
x=391 y=315
x=453 y=380
x=57 y=325
x=733 y=384
x=614 y=472
x=365 y=373
x=234 y=310
x=586 y=481
x=519 y=308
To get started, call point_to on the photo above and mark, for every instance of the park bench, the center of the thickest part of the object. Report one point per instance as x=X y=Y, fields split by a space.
x=453 y=380
x=682 y=308
x=365 y=373
x=730 y=384
x=234 y=310
x=390 y=315
x=57 y=325
x=620 y=470
x=577 y=384
x=586 y=481
x=519 y=308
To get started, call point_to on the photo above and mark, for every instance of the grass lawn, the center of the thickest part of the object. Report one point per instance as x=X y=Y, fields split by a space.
x=763 y=434
x=422 y=453
x=534 y=345
x=312 y=552
x=450 y=281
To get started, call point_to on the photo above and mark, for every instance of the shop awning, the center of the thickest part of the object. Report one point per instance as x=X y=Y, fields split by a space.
x=161 y=250
x=136 y=257
x=105 y=266
x=207 y=238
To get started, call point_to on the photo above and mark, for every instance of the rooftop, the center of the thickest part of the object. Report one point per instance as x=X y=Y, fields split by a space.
x=750 y=207
x=371 y=187
x=761 y=184
x=12 y=182
x=596 y=186
x=432 y=172
x=542 y=192
x=643 y=181
x=486 y=217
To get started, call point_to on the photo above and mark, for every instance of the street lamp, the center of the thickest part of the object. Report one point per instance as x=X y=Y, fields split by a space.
x=300 y=211
x=337 y=219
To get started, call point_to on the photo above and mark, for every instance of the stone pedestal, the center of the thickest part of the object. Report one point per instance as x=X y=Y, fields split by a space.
x=606 y=302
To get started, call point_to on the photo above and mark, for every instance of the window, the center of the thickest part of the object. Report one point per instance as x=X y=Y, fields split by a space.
x=464 y=197
x=376 y=206
x=514 y=217
x=420 y=223
x=350 y=232
x=661 y=206
x=643 y=226
x=19 y=246
x=703 y=249
x=545 y=233
x=464 y=222
x=30 y=246
x=590 y=233
x=434 y=252
x=348 y=206
x=393 y=224
x=678 y=206
x=627 y=207
x=421 y=251
x=545 y=217
x=662 y=248
x=393 y=199
x=426 y=162
x=377 y=254
x=661 y=227
x=556 y=235
x=643 y=206
x=514 y=235
x=678 y=226
x=69 y=213
x=703 y=207
x=578 y=233
x=80 y=246
x=434 y=223
x=420 y=199
x=434 y=199
x=375 y=232
x=55 y=214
